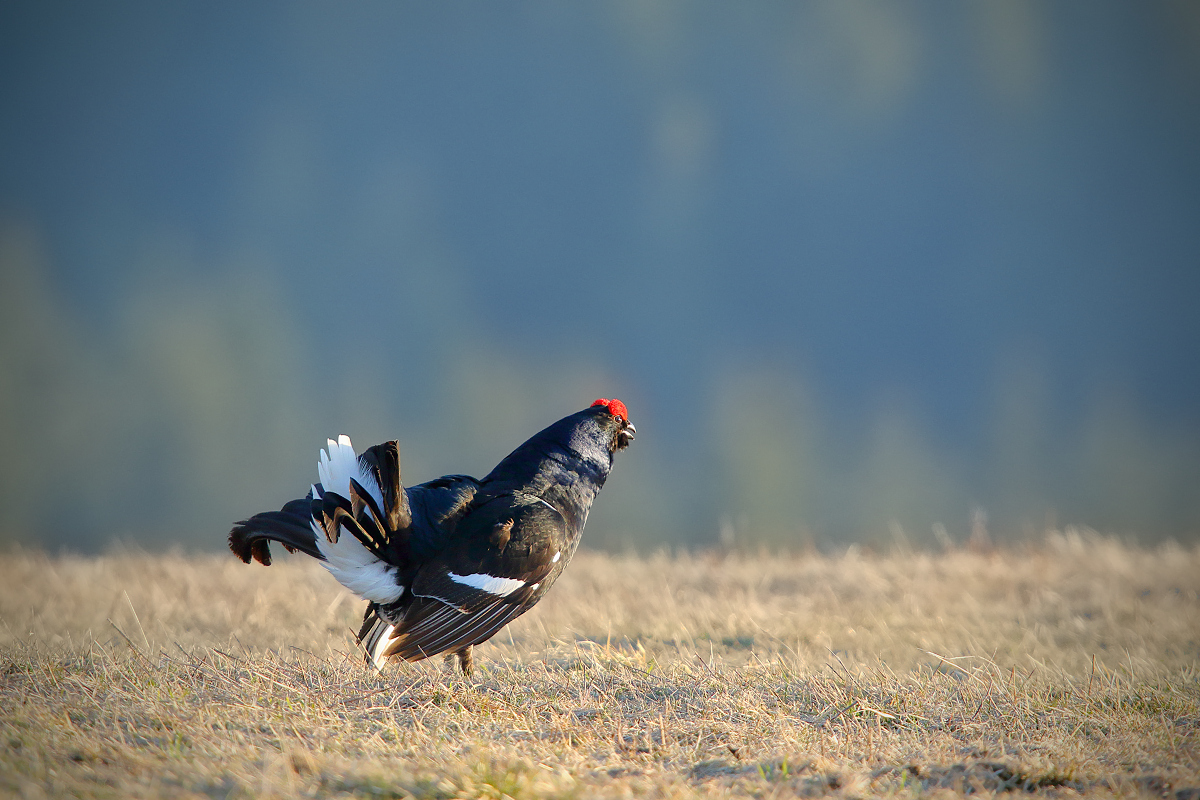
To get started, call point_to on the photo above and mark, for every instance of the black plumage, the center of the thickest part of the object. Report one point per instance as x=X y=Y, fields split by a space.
x=447 y=563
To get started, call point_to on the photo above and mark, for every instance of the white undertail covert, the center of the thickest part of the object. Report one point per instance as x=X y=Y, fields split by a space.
x=352 y=564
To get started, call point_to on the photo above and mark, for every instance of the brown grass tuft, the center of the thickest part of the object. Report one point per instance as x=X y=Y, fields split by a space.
x=1070 y=668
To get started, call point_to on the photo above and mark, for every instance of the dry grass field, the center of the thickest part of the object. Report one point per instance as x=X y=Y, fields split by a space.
x=1067 y=668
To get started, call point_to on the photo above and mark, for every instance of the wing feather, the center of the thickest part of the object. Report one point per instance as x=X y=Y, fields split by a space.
x=480 y=627
x=439 y=628
x=451 y=637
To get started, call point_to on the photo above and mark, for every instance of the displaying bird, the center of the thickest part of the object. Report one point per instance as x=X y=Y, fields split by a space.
x=446 y=564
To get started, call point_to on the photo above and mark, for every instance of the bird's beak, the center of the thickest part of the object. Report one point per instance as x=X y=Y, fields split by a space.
x=625 y=435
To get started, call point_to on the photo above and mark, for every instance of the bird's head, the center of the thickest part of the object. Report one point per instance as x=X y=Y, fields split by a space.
x=618 y=421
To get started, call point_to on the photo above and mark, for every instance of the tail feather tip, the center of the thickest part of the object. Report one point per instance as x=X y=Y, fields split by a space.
x=246 y=548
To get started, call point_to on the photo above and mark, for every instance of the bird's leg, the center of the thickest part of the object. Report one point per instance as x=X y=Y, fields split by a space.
x=465 y=662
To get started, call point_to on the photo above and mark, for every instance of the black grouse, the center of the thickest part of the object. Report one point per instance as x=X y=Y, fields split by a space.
x=446 y=564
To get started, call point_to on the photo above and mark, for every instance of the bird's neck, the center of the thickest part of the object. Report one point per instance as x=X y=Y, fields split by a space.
x=558 y=474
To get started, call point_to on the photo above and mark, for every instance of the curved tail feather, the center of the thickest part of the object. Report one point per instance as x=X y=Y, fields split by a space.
x=291 y=527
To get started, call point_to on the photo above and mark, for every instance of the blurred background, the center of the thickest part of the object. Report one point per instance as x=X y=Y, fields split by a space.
x=863 y=272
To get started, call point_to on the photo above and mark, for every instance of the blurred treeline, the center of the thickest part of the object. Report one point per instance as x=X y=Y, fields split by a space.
x=208 y=403
x=861 y=272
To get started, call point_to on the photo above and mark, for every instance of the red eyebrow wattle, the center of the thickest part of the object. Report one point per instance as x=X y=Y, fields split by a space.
x=615 y=407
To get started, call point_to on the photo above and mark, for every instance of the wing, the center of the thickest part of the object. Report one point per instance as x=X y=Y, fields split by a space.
x=509 y=551
x=437 y=507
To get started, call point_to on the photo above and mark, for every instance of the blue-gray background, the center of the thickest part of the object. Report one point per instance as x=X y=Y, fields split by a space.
x=857 y=269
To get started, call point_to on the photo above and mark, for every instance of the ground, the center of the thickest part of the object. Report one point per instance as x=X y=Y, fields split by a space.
x=1066 y=667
